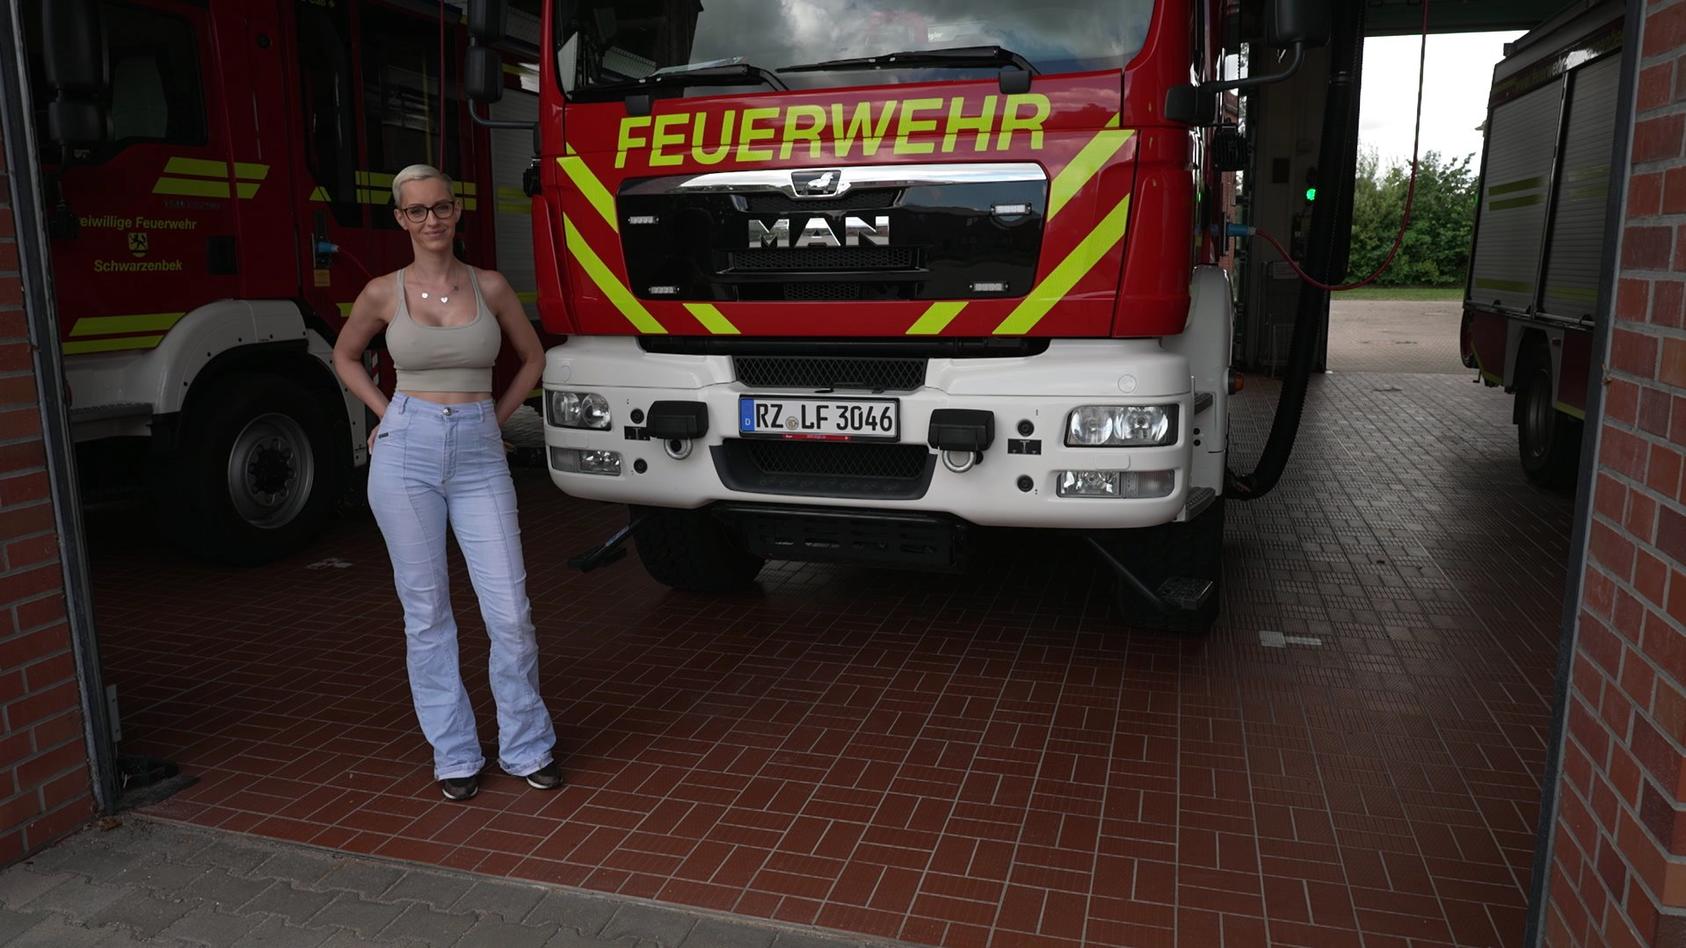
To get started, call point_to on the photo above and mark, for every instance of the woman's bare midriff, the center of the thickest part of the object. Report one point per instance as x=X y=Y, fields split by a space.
x=449 y=398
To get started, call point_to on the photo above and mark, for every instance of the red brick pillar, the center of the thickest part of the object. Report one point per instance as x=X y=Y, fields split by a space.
x=1618 y=848
x=45 y=787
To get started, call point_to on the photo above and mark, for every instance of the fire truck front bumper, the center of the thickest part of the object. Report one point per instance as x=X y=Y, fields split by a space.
x=990 y=441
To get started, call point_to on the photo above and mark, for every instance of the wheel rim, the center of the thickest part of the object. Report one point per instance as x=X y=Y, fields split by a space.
x=1537 y=417
x=271 y=471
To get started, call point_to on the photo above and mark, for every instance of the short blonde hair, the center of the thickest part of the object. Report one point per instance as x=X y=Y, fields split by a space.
x=418 y=172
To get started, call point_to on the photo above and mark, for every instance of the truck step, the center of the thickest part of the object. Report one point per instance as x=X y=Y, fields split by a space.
x=1185 y=593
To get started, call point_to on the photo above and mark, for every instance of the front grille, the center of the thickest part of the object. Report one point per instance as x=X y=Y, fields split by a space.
x=888 y=461
x=826 y=258
x=868 y=200
x=814 y=292
x=819 y=469
x=820 y=372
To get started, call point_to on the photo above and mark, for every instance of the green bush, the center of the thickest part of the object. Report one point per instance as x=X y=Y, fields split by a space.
x=1435 y=251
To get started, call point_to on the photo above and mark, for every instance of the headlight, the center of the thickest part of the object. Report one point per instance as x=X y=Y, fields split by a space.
x=577 y=410
x=1121 y=426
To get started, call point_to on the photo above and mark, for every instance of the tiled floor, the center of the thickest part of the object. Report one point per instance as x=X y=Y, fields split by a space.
x=1351 y=758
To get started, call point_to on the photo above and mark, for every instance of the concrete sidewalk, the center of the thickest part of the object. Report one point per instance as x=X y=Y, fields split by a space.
x=146 y=882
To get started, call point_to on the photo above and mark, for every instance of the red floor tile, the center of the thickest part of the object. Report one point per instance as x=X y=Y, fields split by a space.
x=990 y=759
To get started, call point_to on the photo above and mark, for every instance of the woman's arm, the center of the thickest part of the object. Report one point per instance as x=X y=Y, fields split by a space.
x=361 y=326
x=512 y=316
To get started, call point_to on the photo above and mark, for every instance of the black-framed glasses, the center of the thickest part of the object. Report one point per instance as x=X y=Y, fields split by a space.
x=444 y=210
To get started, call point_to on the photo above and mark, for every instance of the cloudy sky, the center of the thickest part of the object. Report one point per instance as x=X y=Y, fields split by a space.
x=1460 y=71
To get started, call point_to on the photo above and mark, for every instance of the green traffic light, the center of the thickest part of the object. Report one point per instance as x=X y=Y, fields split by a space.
x=1311 y=194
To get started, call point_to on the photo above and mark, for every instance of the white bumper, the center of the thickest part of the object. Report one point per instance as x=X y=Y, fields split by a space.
x=1040 y=389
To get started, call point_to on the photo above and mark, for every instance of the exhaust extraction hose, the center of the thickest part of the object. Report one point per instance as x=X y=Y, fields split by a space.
x=1336 y=162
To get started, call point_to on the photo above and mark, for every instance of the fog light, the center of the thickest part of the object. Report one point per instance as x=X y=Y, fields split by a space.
x=576 y=461
x=1140 y=485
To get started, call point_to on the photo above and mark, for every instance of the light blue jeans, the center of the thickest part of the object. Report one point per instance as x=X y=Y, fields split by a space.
x=434 y=464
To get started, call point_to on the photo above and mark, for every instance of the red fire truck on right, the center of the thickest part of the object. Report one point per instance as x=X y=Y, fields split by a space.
x=1532 y=298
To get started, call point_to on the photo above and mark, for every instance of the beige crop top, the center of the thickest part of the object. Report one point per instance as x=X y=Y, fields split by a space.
x=443 y=358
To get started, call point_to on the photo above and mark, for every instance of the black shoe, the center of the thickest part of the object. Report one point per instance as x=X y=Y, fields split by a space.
x=548 y=777
x=460 y=788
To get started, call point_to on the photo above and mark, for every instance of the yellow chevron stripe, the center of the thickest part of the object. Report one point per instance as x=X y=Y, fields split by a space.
x=528 y=296
x=607 y=282
x=320 y=195
x=197 y=167
x=112 y=345
x=246 y=189
x=188 y=187
x=712 y=319
x=590 y=188
x=936 y=318
x=249 y=171
x=1086 y=165
x=1081 y=260
x=113 y=325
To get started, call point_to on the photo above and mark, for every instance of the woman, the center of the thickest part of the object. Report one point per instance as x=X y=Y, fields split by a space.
x=437 y=455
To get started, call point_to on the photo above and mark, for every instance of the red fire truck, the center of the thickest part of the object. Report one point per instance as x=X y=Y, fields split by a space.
x=1532 y=298
x=842 y=282
x=220 y=191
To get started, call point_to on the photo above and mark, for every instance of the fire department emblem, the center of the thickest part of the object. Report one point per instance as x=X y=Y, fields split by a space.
x=137 y=244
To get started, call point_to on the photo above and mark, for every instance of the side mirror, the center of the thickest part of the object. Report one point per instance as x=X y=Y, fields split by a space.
x=486 y=19
x=73 y=64
x=483 y=74
x=1300 y=23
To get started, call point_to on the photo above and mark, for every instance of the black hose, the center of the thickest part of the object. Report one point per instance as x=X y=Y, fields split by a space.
x=1336 y=158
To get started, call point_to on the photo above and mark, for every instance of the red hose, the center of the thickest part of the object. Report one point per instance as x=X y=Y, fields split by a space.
x=1410 y=192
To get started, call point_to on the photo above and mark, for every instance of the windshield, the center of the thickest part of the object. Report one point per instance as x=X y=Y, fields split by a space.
x=604 y=42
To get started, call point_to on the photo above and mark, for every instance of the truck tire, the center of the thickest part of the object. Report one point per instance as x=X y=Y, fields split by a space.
x=257 y=473
x=689 y=550
x=1193 y=549
x=1548 y=441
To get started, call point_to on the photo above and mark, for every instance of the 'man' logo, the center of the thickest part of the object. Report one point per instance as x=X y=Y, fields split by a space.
x=819 y=232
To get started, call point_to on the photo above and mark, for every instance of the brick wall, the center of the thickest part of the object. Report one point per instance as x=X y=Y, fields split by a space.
x=1618 y=873
x=44 y=777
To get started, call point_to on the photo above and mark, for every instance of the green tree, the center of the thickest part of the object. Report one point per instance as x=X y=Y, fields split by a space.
x=1435 y=251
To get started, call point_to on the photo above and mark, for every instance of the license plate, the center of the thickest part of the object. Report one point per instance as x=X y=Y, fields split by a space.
x=824 y=419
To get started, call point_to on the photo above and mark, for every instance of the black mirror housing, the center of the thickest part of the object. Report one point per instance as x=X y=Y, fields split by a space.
x=483 y=74
x=1300 y=23
x=486 y=19
x=75 y=122
x=73 y=59
x=1191 y=105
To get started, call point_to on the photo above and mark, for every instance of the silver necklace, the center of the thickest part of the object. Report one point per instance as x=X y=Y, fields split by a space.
x=442 y=299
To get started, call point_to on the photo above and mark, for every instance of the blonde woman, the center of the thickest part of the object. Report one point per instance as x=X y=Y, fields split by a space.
x=437 y=458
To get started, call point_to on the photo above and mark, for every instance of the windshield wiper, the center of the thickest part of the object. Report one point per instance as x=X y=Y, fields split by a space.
x=716 y=73
x=1014 y=79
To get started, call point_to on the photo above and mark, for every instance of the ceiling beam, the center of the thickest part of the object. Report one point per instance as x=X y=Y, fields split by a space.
x=1405 y=17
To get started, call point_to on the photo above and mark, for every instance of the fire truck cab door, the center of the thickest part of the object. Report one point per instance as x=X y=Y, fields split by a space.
x=155 y=204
